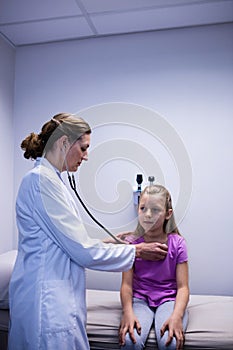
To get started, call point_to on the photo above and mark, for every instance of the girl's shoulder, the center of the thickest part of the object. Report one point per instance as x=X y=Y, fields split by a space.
x=177 y=247
x=175 y=238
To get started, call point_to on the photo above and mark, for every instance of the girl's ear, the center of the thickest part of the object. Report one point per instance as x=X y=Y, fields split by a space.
x=169 y=214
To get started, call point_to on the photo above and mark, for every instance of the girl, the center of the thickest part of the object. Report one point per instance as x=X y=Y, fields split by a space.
x=156 y=291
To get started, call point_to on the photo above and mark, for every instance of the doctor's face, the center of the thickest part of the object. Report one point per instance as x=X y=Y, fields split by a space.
x=78 y=152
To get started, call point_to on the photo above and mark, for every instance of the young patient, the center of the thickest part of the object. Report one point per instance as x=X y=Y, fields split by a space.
x=155 y=292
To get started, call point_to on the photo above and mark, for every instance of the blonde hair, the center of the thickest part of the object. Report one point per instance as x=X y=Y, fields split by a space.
x=74 y=127
x=169 y=225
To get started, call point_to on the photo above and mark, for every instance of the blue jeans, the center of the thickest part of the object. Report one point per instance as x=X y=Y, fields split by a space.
x=147 y=316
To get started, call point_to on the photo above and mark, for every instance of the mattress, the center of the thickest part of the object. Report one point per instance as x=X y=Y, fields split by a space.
x=210 y=317
x=210 y=322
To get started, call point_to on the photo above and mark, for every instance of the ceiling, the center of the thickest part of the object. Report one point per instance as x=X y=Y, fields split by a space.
x=27 y=22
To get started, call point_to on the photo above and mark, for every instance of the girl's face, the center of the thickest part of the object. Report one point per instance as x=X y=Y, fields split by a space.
x=78 y=152
x=152 y=212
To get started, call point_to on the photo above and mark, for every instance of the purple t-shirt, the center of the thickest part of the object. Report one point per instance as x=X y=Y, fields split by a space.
x=155 y=281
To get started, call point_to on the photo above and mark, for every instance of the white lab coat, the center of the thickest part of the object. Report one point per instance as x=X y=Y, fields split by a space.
x=47 y=288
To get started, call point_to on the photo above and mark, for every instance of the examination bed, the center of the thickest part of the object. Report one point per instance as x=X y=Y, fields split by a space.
x=210 y=317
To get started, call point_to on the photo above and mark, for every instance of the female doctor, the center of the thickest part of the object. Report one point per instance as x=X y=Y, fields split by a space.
x=47 y=288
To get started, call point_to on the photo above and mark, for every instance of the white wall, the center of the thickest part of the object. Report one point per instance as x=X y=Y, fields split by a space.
x=186 y=76
x=7 y=66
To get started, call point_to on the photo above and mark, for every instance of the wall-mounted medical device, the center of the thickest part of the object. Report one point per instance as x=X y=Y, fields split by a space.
x=137 y=192
x=151 y=180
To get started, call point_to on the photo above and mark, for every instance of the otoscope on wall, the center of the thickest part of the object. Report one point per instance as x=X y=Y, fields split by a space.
x=137 y=193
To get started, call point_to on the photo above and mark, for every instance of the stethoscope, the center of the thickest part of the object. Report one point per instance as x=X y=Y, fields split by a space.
x=73 y=187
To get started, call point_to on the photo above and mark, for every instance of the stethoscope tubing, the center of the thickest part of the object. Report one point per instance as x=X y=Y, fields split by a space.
x=73 y=187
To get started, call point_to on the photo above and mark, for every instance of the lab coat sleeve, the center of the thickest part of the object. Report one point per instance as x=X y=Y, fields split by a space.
x=53 y=212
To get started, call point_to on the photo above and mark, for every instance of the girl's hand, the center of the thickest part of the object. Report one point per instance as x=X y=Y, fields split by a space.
x=128 y=322
x=175 y=329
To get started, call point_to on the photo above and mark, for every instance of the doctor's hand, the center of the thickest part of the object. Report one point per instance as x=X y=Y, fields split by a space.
x=151 y=251
x=111 y=240
x=148 y=251
x=121 y=237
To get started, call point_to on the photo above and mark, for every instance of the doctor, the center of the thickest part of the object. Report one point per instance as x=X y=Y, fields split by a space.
x=47 y=288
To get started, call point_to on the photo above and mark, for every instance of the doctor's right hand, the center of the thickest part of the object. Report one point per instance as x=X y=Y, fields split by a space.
x=151 y=251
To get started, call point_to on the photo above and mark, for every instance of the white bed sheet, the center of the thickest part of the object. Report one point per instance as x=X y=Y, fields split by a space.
x=210 y=317
x=210 y=321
